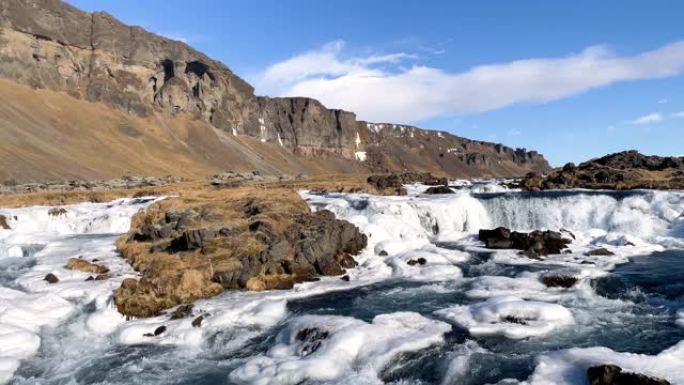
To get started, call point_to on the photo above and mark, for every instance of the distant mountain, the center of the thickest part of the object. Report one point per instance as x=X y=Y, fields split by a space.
x=86 y=96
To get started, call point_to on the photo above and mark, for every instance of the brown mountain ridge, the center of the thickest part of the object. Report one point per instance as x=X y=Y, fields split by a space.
x=86 y=96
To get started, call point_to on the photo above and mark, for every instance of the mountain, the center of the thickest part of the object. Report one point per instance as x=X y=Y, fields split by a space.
x=86 y=96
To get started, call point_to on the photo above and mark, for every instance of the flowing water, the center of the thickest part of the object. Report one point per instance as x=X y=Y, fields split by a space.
x=467 y=316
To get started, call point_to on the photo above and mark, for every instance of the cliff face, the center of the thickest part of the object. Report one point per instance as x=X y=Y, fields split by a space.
x=47 y=44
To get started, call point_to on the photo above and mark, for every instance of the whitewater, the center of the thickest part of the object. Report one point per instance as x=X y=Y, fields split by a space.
x=445 y=321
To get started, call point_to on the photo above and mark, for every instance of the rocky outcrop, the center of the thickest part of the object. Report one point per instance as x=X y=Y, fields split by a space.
x=533 y=245
x=394 y=183
x=197 y=247
x=48 y=44
x=613 y=375
x=434 y=190
x=620 y=171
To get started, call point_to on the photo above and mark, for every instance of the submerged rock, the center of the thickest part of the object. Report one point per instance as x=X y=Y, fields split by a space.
x=599 y=252
x=559 y=281
x=613 y=375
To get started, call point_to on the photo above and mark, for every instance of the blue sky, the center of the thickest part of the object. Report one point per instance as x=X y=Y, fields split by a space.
x=571 y=79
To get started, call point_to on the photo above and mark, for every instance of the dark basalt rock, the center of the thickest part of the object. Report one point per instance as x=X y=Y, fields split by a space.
x=182 y=311
x=157 y=332
x=311 y=339
x=514 y=320
x=533 y=245
x=191 y=240
x=599 y=252
x=57 y=211
x=439 y=190
x=613 y=375
x=197 y=322
x=623 y=170
x=559 y=281
x=396 y=181
x=51 y=278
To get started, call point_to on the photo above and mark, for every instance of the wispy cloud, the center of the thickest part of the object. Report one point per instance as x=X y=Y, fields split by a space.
x=655 y=117
x=663 y=101
x=392 y=88
x=678 y=114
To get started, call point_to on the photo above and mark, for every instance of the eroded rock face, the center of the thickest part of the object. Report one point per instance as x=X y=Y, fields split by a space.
x=533 y=245
x=51 y=45
x=623 y=170
x=613 y=375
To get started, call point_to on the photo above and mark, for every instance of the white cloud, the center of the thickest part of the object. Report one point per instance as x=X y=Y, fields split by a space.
x=663 y=101
x=655 y=117
x=384 y=88
x=678 y=114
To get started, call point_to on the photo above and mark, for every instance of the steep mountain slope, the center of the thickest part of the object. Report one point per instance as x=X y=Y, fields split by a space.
x=191 y=106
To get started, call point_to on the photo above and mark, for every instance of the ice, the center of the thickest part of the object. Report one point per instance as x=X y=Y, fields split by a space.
x=569 y=367
x=522 y=287
x=32 y=304
x=508 y=316
x=325 y=348
x=7 y=368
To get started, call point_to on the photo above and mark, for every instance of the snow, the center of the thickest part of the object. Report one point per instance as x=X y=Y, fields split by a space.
x=360 y=156
x=352 y=348
x=569 y=367
x=508 y=316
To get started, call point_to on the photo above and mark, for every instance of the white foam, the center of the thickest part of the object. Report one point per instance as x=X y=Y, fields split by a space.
x=351 y=348
x=7 y=368
x=489 y=318
x=569 y=367
x=680 y=318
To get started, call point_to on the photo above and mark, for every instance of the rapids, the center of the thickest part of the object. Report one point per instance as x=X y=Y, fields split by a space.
x=468 y=315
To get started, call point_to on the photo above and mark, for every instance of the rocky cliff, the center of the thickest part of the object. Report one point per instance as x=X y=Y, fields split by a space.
x=50 y=45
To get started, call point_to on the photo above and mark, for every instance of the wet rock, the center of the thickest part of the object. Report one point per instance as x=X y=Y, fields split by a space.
x=102 y=277
x=514 y=320
x=3 y=223
x=345 y=278
x=439 y=190
x=78 y=264
x=157 y=332
x=395 y=182
x=197 y=322
x=613 y=375
x=311 y=340
x=57 y=211
x=599 y=252
x=182 y=311
x=533 y=245
x=51 y=278
x=559 y=281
